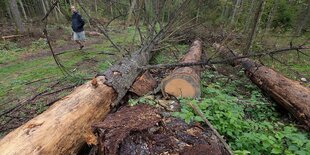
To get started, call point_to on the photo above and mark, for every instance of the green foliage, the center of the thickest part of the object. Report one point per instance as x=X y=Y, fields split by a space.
x=249 y=125
x=142 y=100
x=39 y=44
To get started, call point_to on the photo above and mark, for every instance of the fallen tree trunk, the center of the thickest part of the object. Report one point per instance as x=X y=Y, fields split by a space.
x=185 y=81
x=65 y=126
x=286 y=92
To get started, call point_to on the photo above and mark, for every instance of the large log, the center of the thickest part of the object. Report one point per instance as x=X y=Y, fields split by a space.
x=65 y=127
x=286 y=92
x=185 y=81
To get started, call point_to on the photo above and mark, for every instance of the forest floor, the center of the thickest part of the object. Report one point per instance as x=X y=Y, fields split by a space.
x=249 y=120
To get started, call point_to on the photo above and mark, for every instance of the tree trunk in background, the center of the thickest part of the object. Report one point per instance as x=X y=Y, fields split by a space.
x=43 y=5
x=288 y=93
x=16 y=16
x=224 y=10
x=11 y=19
x=23 y=8
x=248 y=22
x=271 y=15
x=96 y=7
x=303 y=20
x=256 y=20
x=237 y=6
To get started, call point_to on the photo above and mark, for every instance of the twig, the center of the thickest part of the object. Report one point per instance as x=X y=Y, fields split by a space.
x=19 y=105
x=60 y=90
x=37 y=80
x=198 y=112
x=220 y=61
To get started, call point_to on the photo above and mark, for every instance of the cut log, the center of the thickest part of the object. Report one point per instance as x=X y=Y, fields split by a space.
x=288 y=93
x=144 y=84
x=64 y=128
x=185 y=81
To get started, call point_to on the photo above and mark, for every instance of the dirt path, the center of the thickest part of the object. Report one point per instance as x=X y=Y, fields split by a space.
x=69 y=45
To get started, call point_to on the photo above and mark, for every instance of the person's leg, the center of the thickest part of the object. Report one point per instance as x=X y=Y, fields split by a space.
x=79 y=42
x=80 y=39
x=76 y=38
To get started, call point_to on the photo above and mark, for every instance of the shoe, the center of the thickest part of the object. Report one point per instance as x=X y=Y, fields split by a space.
x=81 y=47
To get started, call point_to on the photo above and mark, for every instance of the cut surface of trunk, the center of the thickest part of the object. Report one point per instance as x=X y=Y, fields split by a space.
x=144 y=84
x=185 y=81
x=288 y=93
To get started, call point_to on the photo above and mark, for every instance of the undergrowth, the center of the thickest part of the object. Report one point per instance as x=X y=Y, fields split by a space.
x=250 y=123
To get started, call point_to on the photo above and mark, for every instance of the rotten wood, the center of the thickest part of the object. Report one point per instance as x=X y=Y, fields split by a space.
x=185 y=81
x=142 y=129
x=144 y=84
x=288 y=93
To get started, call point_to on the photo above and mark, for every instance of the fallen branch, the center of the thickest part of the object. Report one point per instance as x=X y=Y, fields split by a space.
x=198 y=112
x=11 y=36
x=60 y=90
x=37 y=80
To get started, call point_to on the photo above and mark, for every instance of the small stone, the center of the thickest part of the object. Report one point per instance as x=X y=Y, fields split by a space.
x=303 y=79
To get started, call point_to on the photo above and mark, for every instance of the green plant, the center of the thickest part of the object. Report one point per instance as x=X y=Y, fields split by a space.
x=251 y=125
x=142 y=100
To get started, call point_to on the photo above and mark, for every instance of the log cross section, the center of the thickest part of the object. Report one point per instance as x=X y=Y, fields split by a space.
x=185 y=81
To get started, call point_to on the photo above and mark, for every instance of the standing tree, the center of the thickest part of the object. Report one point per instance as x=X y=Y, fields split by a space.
x=16 y=16
x=304 y=18
x=256 y=20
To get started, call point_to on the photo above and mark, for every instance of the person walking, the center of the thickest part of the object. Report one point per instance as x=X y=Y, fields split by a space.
x=78 y=27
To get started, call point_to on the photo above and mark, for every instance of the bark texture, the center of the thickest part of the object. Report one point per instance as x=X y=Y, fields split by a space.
x=185 y=81
x=286 y=92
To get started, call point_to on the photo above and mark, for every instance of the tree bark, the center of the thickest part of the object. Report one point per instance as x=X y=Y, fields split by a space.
x=185 y=81
x=66 y=126
x=16 y=15
x=288 y=93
